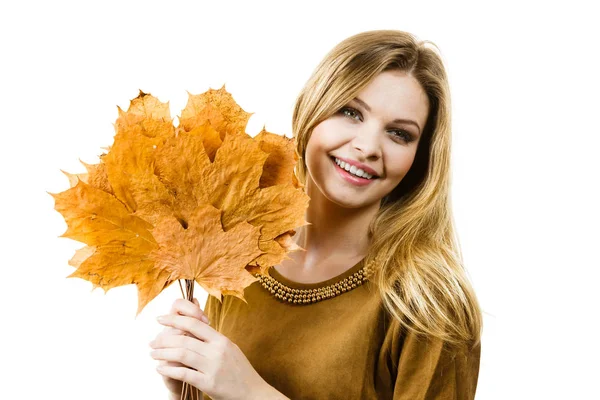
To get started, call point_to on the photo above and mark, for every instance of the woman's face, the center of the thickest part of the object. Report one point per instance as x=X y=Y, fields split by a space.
x=373 y=130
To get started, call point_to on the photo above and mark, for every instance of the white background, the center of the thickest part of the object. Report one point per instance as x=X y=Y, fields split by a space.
x=524 y=81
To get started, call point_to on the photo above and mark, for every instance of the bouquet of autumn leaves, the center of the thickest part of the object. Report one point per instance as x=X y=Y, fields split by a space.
x=203 y=201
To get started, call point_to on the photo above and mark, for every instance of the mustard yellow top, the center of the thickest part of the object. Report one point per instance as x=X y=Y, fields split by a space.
x=343 y=347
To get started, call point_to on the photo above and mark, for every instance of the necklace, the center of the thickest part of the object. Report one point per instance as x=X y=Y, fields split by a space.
x=308 y=296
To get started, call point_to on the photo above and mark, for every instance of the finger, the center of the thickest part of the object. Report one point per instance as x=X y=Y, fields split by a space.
x=184 y=356
x=195 y=378
x=178 y=341
x=170 y=363
x=191 y=309
x=192 y=325
x=169 y=332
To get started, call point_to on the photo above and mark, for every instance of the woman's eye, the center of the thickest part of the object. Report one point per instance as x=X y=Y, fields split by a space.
x=398 y=134
x=402 y=135
x=350 y=112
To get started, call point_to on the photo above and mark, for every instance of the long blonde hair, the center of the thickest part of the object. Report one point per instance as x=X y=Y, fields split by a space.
x=419 y=265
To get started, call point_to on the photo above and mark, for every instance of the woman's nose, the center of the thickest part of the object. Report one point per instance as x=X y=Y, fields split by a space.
x=368 y=141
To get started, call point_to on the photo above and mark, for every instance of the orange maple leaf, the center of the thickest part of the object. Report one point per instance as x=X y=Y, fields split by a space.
x=202 y=201
x=185 y=251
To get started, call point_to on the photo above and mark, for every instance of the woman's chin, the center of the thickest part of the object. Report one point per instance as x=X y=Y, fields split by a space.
x=349 y=200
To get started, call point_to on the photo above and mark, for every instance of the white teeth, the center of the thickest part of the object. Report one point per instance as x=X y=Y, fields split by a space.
x=353 y=170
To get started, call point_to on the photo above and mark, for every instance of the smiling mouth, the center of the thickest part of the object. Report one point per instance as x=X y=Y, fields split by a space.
x=358 y=177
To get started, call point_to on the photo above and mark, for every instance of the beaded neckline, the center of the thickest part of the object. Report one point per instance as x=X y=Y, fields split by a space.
x=313 y=293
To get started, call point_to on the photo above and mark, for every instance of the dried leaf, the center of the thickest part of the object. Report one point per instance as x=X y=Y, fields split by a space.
x=96 y=176
x=216 y=107
x=204 y=252
x=279 y=167
x=202 y=201
x=95 y=217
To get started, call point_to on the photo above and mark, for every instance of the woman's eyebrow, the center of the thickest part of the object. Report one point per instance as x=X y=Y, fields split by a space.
x=399 y=120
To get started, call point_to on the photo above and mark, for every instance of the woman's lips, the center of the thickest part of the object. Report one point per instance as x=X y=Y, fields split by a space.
x=348 y=177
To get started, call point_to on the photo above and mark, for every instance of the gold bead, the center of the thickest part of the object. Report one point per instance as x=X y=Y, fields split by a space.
x=313 y=295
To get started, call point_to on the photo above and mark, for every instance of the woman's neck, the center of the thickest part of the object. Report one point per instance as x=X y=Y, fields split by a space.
x=335 y=234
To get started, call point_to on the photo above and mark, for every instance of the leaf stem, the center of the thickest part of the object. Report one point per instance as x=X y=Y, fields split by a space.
x=187 y=391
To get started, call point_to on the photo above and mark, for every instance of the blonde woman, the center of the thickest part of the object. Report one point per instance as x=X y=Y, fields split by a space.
x=378 y=306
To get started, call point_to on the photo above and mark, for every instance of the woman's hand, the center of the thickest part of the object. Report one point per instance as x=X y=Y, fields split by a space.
x=204 y=358
x=169 y=334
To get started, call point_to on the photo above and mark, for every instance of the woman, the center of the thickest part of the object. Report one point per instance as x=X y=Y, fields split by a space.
x=378 y=306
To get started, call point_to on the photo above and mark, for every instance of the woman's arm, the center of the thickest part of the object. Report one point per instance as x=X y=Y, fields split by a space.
x=432 y=370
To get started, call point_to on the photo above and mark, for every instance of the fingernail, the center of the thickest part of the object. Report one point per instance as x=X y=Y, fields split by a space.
x=160 y=318
x=205 y=319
